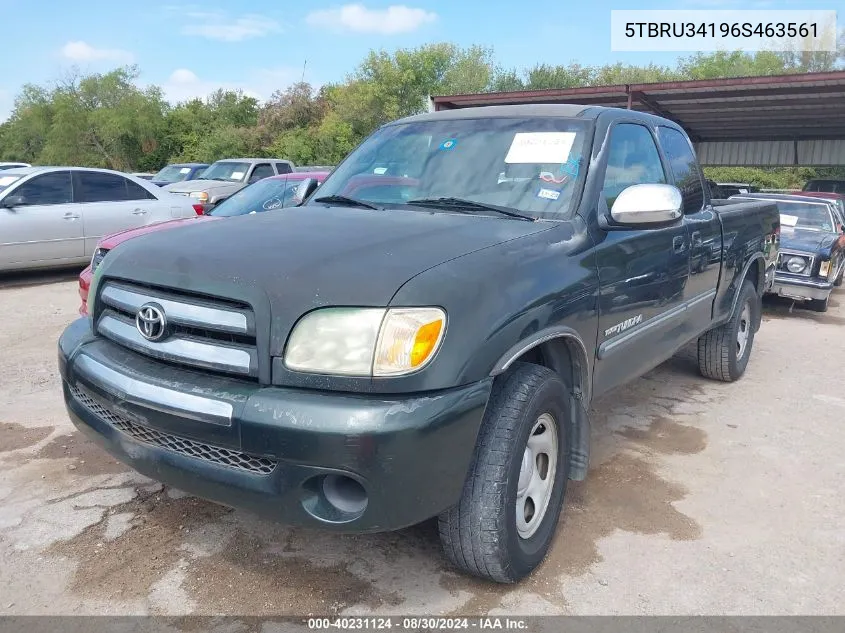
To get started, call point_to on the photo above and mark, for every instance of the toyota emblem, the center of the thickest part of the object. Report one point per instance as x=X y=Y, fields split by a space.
x=151 y=322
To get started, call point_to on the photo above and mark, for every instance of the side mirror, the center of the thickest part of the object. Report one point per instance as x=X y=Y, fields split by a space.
x=305 y=189
x=10 y=202
x=647 y=204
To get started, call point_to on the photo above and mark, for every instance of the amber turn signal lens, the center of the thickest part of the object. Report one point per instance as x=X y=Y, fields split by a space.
x=425 y=341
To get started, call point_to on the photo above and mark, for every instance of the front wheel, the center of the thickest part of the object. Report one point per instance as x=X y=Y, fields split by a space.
x=723 y=352
x=504 y=523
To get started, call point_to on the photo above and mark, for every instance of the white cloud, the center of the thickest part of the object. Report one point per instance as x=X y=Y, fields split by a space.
x=217 y=25
x=79 y=51
x=359 y=19
x=184 y=84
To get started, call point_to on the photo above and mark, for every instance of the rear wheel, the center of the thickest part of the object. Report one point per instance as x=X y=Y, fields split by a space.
x=838 y=281
x=723 y=352
x=508 y=513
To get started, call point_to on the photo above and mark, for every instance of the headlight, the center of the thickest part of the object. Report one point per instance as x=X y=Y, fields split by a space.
x=365 y=341
x=824 y=269
x=97 y=258
x=796 y=264
x=202 y=196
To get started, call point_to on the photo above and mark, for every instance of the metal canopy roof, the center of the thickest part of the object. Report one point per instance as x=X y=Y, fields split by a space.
x=780 y=107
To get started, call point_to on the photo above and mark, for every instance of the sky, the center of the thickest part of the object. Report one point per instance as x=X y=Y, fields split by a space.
x=263 y=45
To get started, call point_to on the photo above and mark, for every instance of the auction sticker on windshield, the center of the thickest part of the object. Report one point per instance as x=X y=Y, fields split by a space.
x=237 y=175
x=788 y=220
x=540 y=147
x=184 y=170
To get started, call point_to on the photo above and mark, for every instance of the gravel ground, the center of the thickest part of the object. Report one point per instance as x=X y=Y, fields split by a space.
x=704 y=498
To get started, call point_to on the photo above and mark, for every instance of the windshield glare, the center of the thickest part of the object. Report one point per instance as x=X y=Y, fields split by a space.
x=805 y=215
x=232 y=172
x=172 y=173
x=264 y=195
x=533 y=165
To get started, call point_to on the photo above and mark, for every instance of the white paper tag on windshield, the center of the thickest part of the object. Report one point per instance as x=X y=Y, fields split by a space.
x=540 y=147
x=788 y=220
x=5 y=181
x=237 y=175
x=184 y=170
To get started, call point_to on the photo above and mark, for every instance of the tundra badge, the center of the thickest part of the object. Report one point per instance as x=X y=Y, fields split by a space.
x=621 y=327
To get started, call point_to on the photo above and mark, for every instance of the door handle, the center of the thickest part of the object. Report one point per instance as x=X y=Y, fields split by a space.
x=696 y=238
x=139 y=212
x=679 y=244
x=71 y=216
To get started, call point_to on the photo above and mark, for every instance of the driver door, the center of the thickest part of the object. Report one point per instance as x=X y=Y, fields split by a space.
x=643 y=272
x=47 y=228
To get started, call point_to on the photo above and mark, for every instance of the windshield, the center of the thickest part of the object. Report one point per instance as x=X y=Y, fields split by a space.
x=172 y=173
x=229 y=171
x=806 y=215
x=7 y=181
x=532 y=165
x=264 y=195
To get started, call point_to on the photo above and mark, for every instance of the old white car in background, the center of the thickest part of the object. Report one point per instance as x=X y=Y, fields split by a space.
x=54 y=216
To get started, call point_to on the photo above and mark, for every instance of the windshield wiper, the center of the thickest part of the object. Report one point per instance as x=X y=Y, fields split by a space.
x=468 y=206
x=350 y=202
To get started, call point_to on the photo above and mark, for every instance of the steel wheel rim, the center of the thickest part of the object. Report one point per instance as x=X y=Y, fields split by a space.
x=536 y=476
x=743 y=331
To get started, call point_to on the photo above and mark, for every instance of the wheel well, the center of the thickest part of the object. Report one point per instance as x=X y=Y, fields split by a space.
x=564 y=357
x=755 y=274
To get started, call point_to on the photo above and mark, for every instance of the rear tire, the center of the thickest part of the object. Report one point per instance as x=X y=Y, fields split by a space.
x=838 y=281
x=506 y=519
x=723 y=352
x=818 y=305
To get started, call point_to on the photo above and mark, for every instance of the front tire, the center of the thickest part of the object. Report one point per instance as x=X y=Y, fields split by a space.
x=723 y=352
x=506 y=518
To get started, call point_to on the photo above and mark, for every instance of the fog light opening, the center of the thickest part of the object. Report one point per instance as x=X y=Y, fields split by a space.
x=345 y=494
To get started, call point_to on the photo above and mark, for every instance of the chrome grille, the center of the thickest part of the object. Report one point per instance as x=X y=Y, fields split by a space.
x=205 y=333
x=184 y=446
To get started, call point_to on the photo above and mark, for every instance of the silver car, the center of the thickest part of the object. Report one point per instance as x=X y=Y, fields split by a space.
x=54 y=216
x=228 y=176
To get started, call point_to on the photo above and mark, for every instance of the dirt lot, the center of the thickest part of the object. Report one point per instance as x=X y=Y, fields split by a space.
x=703 y=498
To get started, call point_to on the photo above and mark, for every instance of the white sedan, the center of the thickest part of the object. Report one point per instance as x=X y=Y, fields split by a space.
x=54 y=216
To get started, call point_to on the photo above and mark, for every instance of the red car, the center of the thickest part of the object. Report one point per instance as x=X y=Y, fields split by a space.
x=275 y=192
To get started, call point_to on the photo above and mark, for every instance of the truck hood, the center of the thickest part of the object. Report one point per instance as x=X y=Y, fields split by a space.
x=110 y=241
x=286 y=264
x=188 y=186
x=806 y=241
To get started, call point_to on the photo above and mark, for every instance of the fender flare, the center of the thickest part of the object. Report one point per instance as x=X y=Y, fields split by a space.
x=579 y=395
x=761 y=282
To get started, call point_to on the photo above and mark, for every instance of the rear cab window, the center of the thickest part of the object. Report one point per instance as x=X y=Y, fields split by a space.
x=684 y=168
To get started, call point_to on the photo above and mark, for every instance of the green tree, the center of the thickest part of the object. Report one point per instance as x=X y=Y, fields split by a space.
x=101 y=120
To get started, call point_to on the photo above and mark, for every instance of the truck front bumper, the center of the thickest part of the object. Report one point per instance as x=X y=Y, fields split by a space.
x=345 y=462
x=800 y=289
